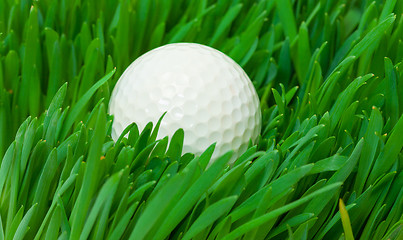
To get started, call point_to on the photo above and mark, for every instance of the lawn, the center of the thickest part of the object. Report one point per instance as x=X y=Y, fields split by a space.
x=327 y=164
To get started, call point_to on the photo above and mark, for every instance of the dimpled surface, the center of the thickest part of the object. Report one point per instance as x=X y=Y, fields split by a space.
x=202 y=90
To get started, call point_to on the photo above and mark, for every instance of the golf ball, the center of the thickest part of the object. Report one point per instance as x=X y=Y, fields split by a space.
x=203 y=91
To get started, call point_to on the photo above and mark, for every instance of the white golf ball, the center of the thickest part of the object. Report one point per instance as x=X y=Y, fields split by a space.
x=203 y=91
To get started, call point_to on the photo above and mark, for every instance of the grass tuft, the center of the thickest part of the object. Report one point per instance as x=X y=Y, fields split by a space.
x=329 y=75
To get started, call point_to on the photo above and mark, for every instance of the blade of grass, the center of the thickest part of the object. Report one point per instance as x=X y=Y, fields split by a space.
x=107 y=192
x=23 y=227
x=348 y=232
x=389 y=153
x=236 y=233
x=90 y=176
x=80 y=105
x=287 y=18
x=209 y=216
x=192 y=195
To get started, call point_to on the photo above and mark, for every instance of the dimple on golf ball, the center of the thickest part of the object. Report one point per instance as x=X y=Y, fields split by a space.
x=203 y=91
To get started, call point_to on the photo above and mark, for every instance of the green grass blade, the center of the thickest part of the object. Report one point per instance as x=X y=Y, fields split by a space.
x=369 y=149
x=389 y=153
x=348 y=232
x=192 y=195
x=54 y=224
x=392 y=101
x=238 y=232
x=225 y=23
x=123 y=223
x=23 y=227
x=373 y=36
x=158 y=205
x=80 y=105
x=107 y=192
x=90 y=176
x=319 y=203
x=287 y=18
x=209 y=216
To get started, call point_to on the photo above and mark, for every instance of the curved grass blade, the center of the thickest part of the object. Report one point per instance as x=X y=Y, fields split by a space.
x=345 y=220
x=79 y=106
x=23 y=227
x=106 y=194
x=190 y=198
x=90 y=178
x=209 y=216
x=389 y=153
x=254 y=223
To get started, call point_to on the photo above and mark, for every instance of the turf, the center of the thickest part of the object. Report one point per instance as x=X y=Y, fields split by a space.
x=327 y=165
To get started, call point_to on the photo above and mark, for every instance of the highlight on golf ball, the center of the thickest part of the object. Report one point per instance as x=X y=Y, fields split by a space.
x=202 y=91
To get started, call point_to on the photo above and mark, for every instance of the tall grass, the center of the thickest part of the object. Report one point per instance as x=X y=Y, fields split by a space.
x=328 y=163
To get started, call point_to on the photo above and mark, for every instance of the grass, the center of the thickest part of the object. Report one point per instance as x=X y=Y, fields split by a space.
x=328 y=163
